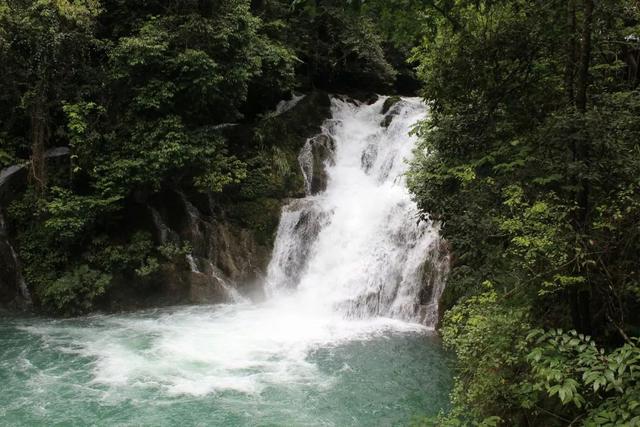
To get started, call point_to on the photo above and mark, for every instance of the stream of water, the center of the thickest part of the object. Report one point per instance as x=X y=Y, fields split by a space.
x=345 y=337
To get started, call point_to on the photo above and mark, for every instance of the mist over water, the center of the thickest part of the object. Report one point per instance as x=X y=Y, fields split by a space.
x=357 y=248
x=344 y=337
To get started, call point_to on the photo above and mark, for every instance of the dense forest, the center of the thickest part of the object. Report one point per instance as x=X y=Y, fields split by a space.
x=140 y=93
x=529 y=160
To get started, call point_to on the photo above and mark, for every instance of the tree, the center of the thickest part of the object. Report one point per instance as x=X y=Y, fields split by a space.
x=46 y=52
x=530 y=149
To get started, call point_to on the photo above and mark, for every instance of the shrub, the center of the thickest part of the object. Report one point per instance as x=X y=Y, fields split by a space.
x=76 y=291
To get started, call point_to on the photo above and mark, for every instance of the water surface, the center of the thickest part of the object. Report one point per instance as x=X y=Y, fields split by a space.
x=343 y=339
x=212 y=365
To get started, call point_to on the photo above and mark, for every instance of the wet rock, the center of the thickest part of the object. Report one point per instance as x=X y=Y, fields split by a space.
x=238 y=255
x=369 y=98
x=318 y=153
x=390 y=110
x=387 y=120
x=348 y=99
x=205 y=289
x=390 y=102
x=223 y=257
x=369 y=156
x=13 y=181
x=13 y=292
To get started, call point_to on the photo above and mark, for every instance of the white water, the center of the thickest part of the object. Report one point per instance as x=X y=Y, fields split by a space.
x=357 y=249
x=348 y=265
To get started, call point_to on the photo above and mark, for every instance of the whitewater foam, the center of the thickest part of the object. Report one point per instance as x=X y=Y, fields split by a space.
x=203 y=349
x=348 y=265
x=358 y=248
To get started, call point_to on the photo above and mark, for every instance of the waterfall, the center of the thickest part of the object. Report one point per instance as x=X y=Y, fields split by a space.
x=352 y=286
x=23 y=290
x=165 y=234
x=354 y=245
x=199 y=233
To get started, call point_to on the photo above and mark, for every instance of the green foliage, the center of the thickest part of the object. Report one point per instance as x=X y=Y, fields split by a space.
x=340 y=45
x=488 y=339
x=171 y=251
x=135 y=255
x=570 y=367
x=76 y=291
x=64 y=245
x=403 y=22
x=533 y=190
x=45 y=50
x=69 y=216
x=136 y=91
x=41 y=254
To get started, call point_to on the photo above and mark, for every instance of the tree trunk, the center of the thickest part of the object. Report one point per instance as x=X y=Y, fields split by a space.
x=632 y=57
x=39 y=136
x=581 y=298
x=585 y=57
x=571 y=52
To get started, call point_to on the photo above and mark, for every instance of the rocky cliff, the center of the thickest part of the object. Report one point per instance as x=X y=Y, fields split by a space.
x=224 y=239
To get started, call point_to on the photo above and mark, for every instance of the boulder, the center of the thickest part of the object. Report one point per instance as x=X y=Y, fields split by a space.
x=13 y=180
x=389 y=110
x=390 y=102
x=317 y=154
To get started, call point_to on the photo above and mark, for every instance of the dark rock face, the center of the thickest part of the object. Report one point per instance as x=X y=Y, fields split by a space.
x=369 y=156
x=389 y=111
x=224 y=263
x=13 y=181
x=229 y=250
x=390 y=102
x=230 y=236
x=387 y=120
x=317 y=154
x=14 y=293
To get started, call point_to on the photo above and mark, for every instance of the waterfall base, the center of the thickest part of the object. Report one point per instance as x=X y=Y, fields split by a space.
x=235 y=365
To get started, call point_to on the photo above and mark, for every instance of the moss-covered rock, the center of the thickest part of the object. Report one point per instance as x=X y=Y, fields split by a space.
x=274 y=173
x=390 y=102
x=317 y=153
x=231 y=234
x=389 y=111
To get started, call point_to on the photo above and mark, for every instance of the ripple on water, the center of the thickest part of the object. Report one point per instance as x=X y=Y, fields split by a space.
x=222 y=365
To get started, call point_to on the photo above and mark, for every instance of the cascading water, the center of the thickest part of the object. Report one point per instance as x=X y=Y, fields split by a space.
x=342 y=338
x=357 y=248
x=24 y=294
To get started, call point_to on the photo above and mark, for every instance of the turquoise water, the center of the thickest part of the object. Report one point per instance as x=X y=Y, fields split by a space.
x=218 y=365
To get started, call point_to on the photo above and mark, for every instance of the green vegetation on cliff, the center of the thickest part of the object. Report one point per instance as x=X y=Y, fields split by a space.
x=531 y=160
x=140 y=92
